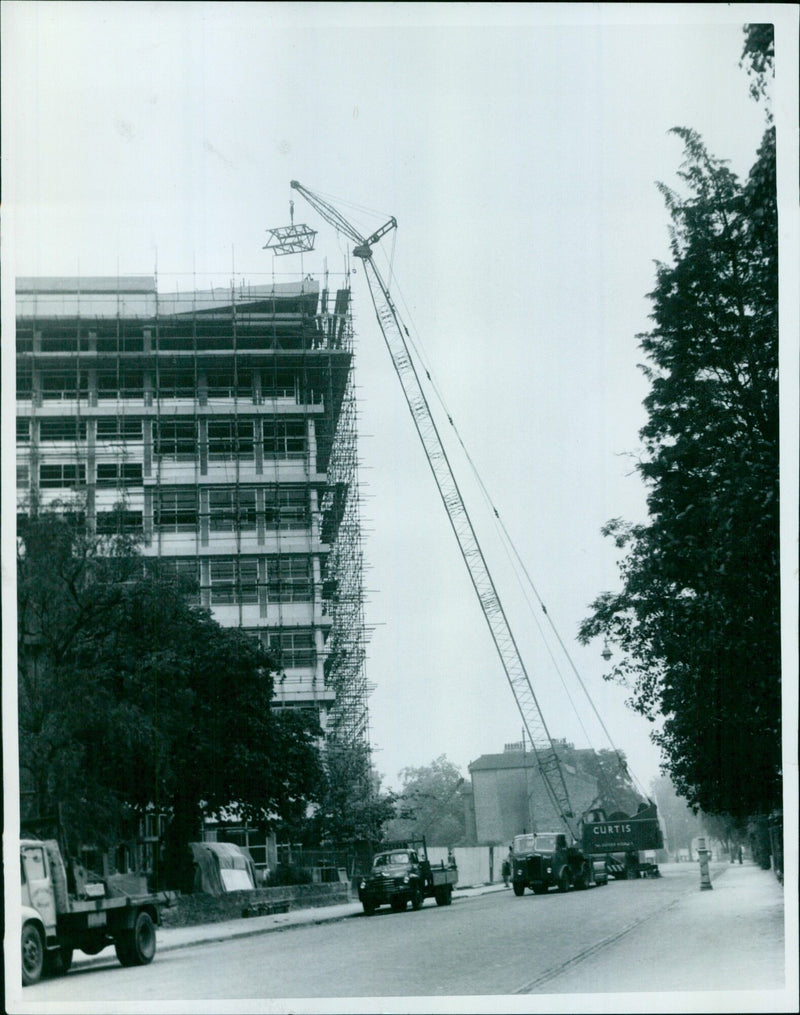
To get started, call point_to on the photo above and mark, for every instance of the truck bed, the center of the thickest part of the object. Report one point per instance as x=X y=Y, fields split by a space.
x=105 y=903
x=444 y=876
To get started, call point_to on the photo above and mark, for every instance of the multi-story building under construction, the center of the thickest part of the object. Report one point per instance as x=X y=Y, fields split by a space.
x=219 y=427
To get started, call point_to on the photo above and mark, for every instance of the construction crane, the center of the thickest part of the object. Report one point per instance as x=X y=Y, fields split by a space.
x=395 y=334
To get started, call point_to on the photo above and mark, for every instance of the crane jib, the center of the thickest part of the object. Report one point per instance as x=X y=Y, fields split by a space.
x=392 y=328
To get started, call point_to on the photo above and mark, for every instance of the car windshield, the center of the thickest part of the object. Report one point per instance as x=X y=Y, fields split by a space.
x=389 y=859
x=544 y=842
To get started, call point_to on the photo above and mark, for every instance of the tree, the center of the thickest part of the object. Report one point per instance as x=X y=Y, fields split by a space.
x=352 y=807
x=758 y=56
x=724 y=829
x=681 y=825
x=431 y=804
x=615 y=789
x=698 y=615
x=130 y=698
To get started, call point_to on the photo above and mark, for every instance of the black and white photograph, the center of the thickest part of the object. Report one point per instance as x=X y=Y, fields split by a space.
x=400 y=596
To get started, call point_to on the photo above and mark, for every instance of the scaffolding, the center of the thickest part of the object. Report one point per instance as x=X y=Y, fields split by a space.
x=343 y=582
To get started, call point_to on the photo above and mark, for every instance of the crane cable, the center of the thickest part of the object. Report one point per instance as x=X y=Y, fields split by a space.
x=508 y=542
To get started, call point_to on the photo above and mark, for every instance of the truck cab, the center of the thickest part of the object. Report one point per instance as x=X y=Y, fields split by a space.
x=543 y=860
x=37 y=889
x=396 y=877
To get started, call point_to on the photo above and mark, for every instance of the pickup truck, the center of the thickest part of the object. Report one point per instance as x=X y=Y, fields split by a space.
x=543 y=860
x=89 y=913
x=404 y=874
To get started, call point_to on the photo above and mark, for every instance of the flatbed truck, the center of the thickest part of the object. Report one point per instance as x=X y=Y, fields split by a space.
x=89 y=914
x=404 y=874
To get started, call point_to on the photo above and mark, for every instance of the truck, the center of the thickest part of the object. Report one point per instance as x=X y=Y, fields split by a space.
x=65 y=907
x=403 y=873
x=545 y=860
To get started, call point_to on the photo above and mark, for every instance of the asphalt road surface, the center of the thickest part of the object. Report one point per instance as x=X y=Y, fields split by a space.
x=490 y=944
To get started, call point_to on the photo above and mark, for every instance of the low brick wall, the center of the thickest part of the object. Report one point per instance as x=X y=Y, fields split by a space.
x=203 y=908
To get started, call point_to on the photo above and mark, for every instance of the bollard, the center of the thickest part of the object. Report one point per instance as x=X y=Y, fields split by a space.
x=705 y=877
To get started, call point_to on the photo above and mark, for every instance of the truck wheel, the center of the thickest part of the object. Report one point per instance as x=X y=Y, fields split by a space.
x=519 y=888
x=563 y=881
x=582 y=880
x=32 y=954
x=369 y=908
x=448 y=895
x=137 y=946
x=417 y=898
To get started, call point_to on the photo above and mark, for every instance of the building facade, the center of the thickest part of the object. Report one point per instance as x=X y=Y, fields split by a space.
x=217 y=427
x=510 y=796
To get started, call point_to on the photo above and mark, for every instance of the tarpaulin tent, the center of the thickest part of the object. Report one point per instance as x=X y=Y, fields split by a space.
x=222 y=867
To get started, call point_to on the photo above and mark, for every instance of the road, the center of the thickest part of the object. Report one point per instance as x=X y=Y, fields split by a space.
x=490 y=944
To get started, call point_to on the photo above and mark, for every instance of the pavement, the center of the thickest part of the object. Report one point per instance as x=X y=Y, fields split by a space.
x=730 y=939
x=736 y=928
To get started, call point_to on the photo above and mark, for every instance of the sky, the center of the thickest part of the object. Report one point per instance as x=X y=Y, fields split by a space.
x=518 y=147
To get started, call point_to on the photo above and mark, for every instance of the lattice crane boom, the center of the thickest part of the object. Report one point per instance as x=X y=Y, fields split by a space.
x=394 y=332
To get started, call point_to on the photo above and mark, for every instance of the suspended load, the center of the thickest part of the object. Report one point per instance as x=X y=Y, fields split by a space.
x=290 y=239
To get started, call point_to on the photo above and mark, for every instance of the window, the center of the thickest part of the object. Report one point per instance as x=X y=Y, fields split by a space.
x=33 y=861
x=64 y=384
x=107 y=385
x=66 y=429
x=131 y=341
x=23 y=477
x=131 y=384
x=284 y=438
x=119 y=473
x=291 y=648
x=176 y=510
x=289 y=579
x=184 y=571
x=124 y=428
x=248 y=580
x=228 y=438
x=220 y=383
x=24 y=381
x=23 y=430
x=286 y=507
x=231 y=509
x=175 y=438
x=233 y=580
x=120 y=384
x=278 y=385
x=175 y=383
x=58 y=341
x=119 y=522
x=61 y=475
x=223 y=578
